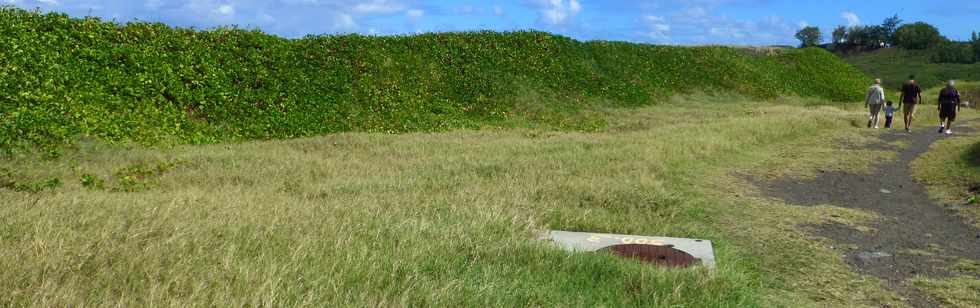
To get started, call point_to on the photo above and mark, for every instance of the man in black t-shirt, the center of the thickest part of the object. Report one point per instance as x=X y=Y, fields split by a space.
x=911 y=96
x=949 y=104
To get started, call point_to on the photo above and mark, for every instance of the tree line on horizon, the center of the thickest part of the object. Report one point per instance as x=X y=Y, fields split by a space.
x=892 y=32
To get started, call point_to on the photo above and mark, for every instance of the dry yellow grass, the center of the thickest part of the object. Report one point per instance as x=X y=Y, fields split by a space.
x=443 y=219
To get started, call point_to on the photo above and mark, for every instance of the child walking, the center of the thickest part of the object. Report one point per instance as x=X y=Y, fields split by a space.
x=889 y=114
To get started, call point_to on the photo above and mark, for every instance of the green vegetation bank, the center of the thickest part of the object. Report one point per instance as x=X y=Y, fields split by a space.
x=62 y=77
x=894 y=65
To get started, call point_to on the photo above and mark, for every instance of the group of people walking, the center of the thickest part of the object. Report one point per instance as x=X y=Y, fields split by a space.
x=911 y=96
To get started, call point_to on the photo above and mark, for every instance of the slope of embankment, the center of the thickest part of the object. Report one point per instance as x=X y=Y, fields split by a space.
x=62 y=77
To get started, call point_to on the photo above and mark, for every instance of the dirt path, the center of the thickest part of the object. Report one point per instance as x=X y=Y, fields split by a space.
x=914 y=237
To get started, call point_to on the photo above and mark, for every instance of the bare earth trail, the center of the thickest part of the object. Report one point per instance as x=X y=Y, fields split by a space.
x=915 y=236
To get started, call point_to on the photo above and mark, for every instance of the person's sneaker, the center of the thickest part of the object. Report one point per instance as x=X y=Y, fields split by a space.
x=876 y=126
x=908 y=130
x=869 y=123
x=949 y=131
x=941 y=129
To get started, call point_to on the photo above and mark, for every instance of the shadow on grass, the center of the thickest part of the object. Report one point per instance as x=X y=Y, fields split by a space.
x=972 y=156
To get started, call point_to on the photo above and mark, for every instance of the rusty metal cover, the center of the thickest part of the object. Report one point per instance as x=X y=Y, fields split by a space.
x=700 y=249
x=661 y=255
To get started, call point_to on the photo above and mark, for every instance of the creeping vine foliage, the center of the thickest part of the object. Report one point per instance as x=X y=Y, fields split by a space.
x=62 y=77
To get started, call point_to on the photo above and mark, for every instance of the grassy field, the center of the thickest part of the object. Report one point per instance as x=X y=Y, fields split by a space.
x=951 y=173
x=504 y=136
x=440 y=218
x=894 y=65
x=951 y=170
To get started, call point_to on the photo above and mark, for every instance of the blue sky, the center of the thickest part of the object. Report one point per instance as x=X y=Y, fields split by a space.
x=685 y=22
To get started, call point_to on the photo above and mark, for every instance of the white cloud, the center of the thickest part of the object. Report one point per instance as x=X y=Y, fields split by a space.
x=654 y=19
x=465 y=9
x=852 y=19
x=727 y=32
x=379 y=6
x=266 y=18
x=803 y=24
x=414 y=14
x=498 y=10
x=34 y=2
x=657 y=28
x=225 y=9
x=344 y=22
x=557 y=12
x=152 y=4
x=699 y=24
x=696 y=12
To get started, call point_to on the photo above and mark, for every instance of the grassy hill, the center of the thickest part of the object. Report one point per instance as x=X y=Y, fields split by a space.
x=64 y=77
x=894 y=65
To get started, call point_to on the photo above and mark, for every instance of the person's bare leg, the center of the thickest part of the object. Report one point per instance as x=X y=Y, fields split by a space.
x=909 y=116
x=905 y=118
x=876 y=113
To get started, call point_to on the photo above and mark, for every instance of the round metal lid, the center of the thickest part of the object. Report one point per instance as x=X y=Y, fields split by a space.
x=665 y=256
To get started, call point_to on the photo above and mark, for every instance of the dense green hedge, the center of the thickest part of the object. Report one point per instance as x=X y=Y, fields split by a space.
x=62 y=77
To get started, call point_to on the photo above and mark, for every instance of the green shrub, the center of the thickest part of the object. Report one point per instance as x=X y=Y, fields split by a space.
x=92 y=181
x=145 y=82
x=11 y=180
x=140 y=176
x=953 y=52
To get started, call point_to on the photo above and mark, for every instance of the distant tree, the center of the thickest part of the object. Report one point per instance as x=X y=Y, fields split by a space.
x=857 y=36
x=809 y=36
x=865 y=37
x=919 y=35
x=840 y=35
x=975 y=43
x=877 y=37
x=953 y=52
x=889 y=26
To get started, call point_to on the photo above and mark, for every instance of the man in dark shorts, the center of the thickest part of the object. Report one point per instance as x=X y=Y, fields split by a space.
x=949 y=104
x=911 y=96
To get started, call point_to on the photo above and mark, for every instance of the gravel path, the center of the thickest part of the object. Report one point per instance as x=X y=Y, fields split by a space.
x=915 y=236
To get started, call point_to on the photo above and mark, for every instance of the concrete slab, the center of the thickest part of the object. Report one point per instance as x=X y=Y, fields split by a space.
x=586 y=242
